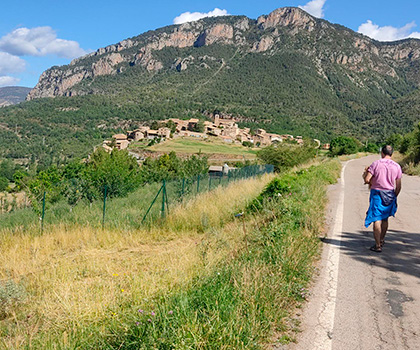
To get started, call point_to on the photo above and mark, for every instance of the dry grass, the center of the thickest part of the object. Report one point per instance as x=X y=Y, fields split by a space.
x=82 y=275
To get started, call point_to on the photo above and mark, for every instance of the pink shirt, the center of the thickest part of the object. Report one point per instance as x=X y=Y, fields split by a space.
x=384 y=173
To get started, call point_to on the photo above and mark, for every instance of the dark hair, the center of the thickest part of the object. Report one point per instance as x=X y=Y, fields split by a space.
x=387 y=150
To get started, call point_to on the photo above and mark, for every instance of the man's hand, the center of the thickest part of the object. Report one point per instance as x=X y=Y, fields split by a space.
x=367 y=176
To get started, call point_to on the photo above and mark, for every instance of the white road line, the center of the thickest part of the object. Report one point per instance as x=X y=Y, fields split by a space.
x=324 y=331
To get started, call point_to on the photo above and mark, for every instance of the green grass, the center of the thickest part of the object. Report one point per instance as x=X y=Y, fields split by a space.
x=209 y=146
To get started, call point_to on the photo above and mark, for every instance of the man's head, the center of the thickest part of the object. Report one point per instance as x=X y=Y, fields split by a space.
x=387 y=151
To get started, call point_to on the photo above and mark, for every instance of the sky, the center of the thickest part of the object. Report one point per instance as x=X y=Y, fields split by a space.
x=36 y=35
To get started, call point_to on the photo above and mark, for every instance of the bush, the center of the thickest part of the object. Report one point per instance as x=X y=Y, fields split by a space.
x=395 y=140
x=410 y=146
x=4 y=183
x=372 y=148
x=344 y=145
x=286 y=156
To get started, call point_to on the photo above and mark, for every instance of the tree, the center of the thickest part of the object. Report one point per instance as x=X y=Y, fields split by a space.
x=395 y=140
x=117 y=170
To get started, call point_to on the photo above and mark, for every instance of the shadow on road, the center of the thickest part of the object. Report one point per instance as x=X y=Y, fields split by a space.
x=401 y=252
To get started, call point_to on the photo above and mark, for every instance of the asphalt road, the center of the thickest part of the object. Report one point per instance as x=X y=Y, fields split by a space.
x=362 y=299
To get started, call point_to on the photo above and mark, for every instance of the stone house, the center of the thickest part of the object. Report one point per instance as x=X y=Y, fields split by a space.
x=121 y=141
x=138 y=134
x=224 y=123
x=163 y=133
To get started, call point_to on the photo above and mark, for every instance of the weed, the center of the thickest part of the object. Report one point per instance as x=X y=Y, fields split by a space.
x=11 y=295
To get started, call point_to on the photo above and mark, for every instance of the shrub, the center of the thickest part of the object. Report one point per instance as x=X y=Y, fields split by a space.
x=286 y=156
x=11 y=294
x=4 y=183
x=372 y=148
x=344 y=145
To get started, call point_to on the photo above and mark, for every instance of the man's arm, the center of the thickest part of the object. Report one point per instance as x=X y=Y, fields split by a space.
x=367 y=176
x=397 y=186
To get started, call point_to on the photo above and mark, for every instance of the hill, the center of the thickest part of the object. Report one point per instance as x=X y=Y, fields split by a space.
x=11 y=95
x=287 y=72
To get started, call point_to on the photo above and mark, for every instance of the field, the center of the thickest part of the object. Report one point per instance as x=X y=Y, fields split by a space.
x=199 y=280
x=211 y=146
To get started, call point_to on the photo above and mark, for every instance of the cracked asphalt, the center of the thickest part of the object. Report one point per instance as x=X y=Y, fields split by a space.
x=362 y=299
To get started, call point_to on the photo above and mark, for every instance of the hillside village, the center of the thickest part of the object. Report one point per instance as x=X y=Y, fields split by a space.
x=226 y=129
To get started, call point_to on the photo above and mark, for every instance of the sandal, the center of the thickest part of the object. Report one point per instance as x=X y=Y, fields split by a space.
x=376 y=249
x=382 y=243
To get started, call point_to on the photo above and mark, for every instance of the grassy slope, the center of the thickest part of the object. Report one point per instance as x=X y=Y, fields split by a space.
x=198 y=281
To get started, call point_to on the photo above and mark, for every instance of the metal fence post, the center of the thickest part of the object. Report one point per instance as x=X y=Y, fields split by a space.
x=151 y=205
x=209 y=183
x=198 y=183
x=104 y=207
x=163 y=198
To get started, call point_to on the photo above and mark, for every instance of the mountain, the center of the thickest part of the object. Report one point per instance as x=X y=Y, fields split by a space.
x=287 y=72
x=11 y=95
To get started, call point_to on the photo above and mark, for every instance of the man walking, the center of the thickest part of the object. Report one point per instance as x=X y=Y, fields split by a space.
x=384 y=178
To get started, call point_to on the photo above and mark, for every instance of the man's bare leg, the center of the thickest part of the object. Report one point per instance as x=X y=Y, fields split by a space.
x=384 y=229
x=377 y=233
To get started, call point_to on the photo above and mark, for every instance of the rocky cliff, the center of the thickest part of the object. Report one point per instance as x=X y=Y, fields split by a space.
x=285 y=29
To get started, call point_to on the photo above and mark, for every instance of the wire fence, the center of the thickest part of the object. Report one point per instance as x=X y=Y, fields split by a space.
x=148 y=205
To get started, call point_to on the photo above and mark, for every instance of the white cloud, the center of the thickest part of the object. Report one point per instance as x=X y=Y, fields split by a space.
x=315 y=8
x=388 y=33
x=11 y=64
x=39 y=41
x=8 y=81
x=195 y=16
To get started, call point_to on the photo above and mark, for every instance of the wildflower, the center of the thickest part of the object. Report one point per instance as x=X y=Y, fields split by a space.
x=122 y=290
x=115 y=274
x=137 y=323
x=149 y=320
x=170 y=312
x=141 y=311
x=152 y=313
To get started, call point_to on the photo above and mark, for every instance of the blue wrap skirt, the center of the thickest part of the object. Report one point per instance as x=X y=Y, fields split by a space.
x=382 y=205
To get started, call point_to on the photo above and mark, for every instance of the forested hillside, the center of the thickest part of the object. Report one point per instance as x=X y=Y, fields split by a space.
x=288 y=72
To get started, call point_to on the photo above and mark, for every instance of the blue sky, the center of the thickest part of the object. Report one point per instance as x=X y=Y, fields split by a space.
x=35 y=35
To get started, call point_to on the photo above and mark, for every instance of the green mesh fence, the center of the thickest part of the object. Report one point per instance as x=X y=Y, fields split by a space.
x=146 y=206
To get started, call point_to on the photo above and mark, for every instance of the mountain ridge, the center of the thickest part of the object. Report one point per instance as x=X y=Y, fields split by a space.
x=59 y=81
x=10 y=95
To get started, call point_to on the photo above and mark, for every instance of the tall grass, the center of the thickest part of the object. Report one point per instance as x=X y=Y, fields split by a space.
x=201 y=280
x=78 y=276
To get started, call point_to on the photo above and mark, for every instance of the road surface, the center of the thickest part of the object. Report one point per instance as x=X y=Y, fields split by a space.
x=362 y=299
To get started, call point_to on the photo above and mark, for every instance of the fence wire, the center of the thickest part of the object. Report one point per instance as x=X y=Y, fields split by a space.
x=145 y=206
